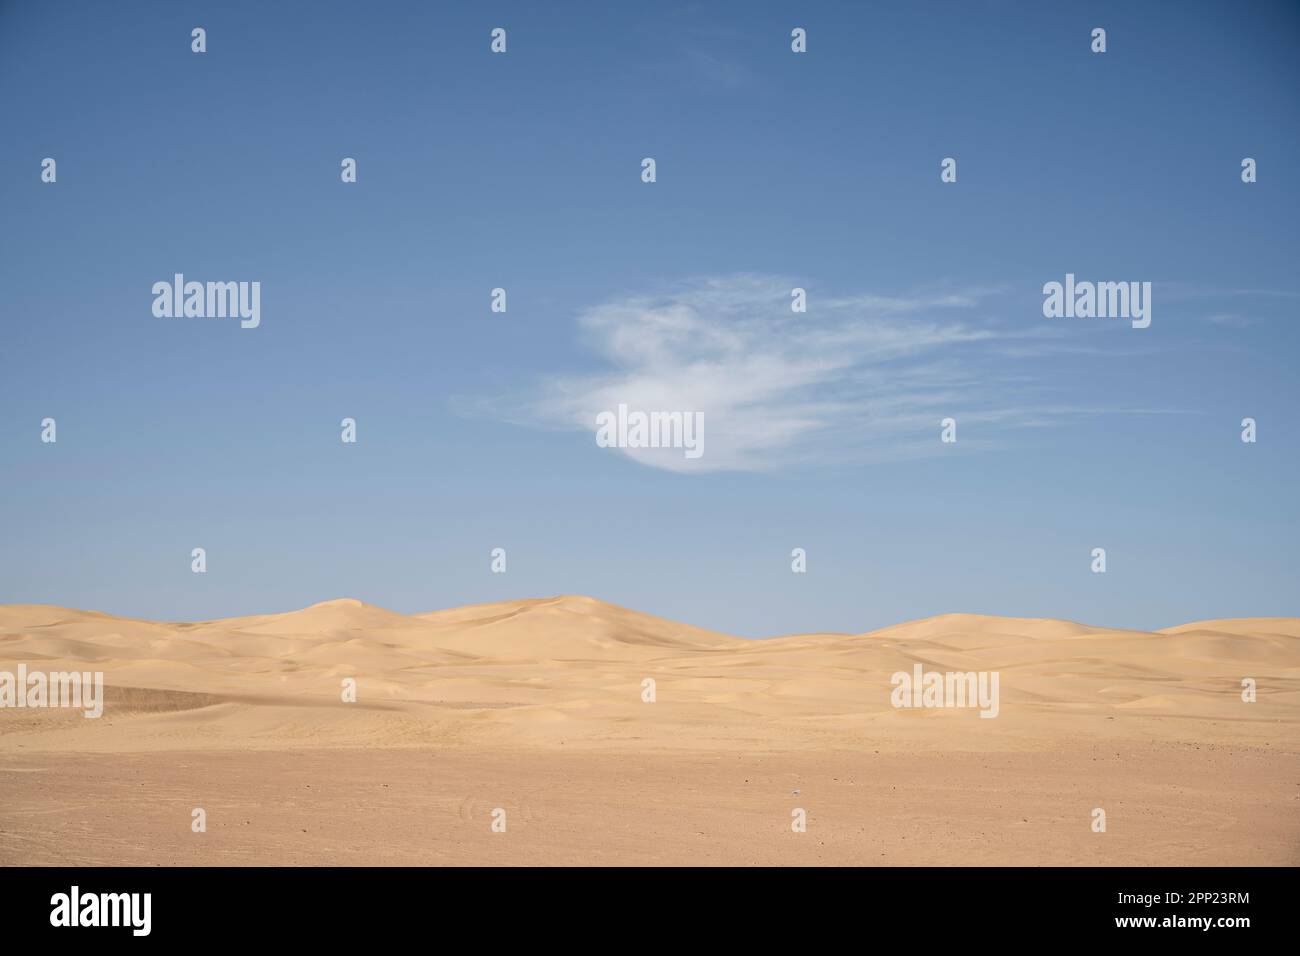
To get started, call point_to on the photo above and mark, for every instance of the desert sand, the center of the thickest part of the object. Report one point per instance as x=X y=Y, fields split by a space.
x=536 y=708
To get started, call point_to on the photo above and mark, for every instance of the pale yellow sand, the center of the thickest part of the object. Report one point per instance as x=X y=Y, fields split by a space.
x=536 y=707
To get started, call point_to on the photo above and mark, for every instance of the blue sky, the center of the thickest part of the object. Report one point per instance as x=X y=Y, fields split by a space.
x=774 y=170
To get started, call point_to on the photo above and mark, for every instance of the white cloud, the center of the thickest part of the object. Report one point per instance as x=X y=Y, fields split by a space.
x=1232 y=320
x=854 y=377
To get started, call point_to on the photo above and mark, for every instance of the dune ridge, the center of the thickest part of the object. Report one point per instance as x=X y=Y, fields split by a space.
x=569 y=671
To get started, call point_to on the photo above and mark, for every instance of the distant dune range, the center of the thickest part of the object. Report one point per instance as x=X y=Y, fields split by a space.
x=569 y=670
x=517 y=690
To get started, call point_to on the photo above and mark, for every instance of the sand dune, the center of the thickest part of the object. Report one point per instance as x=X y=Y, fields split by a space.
x=569 y=671
x=521 y=683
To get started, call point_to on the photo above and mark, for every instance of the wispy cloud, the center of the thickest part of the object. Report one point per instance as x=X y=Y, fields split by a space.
x=859 y=376
x=1189 y=291
x=1232 y=320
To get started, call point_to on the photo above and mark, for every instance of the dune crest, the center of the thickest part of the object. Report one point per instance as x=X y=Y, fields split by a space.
x=571 y=671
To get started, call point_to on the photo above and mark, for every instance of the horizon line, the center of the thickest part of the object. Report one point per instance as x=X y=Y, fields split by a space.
x=556 y=598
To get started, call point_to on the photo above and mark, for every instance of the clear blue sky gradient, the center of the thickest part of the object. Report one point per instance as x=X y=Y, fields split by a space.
x=523 y=171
